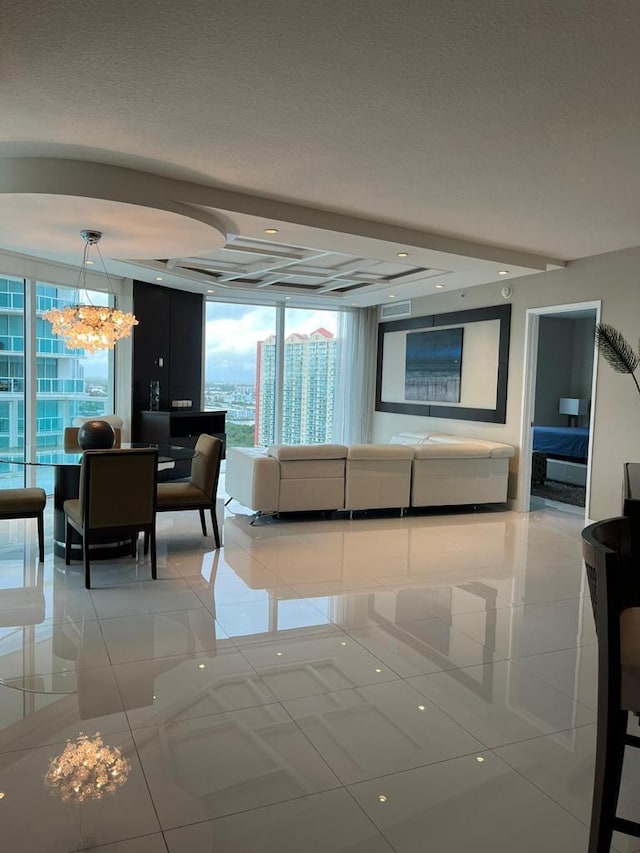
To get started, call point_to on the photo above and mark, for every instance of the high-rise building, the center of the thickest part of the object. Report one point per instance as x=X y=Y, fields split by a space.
x=61 y=392
x=308 y=388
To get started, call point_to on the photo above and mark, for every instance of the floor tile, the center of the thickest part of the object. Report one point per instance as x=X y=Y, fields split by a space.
x=164 y=690
x=415 y=648
x=573 y=672
x=501 y=703
x=39 y=649
x=217 y=765
x=39 y=710
x=268 y=619
x=158 y=635
x=296 y=668
x=64 y=826
x=145 y=844
x=322 y=823
x=372 y=731
x=462 y=805
x=151 y=596
x=530 y=629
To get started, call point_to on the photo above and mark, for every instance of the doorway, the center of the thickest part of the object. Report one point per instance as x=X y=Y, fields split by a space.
x=558 y=401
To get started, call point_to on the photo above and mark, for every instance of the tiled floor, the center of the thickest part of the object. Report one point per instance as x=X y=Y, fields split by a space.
x=381 y=684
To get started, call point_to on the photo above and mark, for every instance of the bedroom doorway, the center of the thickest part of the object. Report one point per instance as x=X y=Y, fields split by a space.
x=561 y=361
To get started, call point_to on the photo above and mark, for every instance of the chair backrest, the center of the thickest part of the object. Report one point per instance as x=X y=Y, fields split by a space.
x=606 y=549
x=70 y=438
x=118 y=487
x=205 y=465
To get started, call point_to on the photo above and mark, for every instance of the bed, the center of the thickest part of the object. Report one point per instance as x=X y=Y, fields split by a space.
x=568 y=443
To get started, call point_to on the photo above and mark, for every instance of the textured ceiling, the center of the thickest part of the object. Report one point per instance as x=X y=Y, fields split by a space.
x=514 y=124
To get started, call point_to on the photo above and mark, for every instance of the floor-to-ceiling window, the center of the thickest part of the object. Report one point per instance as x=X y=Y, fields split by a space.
x=239 y=368
x=309 y=376
x=274 y=370
x=67 y=383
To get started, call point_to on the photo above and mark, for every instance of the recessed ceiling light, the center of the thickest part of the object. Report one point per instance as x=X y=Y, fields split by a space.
x=422 y=708
x=1 y=795
x=378 y=670
x=343 y=643
x=209 y=291
x=382 y=798
x=392 y=296
x=88 y=263
x=439 y=286
x=503 y=272
x=403 y=254
x=278 y=654
x=480 y=759
x=270 y=230
x=287 y=297
x=202 y=666
x=159 y=278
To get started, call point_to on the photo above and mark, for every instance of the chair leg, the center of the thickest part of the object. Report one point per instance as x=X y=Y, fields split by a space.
x=134 y=545
x=85 y=556
x=611 y=732
x=146 y=543
x=214 y=524
x=154 y=567
x=203 y=522
x=41 y=537
x=67 y=544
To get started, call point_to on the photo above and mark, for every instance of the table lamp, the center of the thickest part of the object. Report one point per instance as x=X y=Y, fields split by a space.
x=573 y=407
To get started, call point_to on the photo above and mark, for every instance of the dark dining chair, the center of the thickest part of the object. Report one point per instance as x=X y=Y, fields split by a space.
x=117 y=496
x=25 y=503
x=200 y=492
x=606 y=548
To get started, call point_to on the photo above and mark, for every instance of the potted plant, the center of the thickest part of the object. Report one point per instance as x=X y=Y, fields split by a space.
x=617 y=351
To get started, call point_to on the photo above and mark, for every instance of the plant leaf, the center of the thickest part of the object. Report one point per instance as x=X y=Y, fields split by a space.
x=616 y=349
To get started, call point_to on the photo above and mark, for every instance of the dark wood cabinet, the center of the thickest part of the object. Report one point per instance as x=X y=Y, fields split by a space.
x=180 y=428
x=167 y=348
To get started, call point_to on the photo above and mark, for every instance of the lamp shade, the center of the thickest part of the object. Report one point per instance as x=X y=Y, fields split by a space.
x=573 y=406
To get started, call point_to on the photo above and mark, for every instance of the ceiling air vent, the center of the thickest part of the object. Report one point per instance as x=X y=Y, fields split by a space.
x=396 y=309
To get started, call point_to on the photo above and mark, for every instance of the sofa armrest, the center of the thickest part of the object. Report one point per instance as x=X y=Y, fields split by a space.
x=253 y=478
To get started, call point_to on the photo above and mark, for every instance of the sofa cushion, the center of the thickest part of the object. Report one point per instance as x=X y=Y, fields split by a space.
x=286 y=452
x=409 y=438
x=379 y=451
x=453 y=450
x=497 y=449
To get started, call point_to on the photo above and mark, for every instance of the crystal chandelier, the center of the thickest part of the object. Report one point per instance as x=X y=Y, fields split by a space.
x=87 y=770
x=90 y=327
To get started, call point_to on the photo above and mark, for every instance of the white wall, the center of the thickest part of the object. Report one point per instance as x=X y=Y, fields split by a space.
x=612 y=278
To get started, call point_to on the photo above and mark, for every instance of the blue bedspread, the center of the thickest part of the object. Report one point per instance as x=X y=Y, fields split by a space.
x=572 y=442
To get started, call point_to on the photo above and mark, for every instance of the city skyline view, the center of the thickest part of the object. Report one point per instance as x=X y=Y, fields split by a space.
x=232 y=332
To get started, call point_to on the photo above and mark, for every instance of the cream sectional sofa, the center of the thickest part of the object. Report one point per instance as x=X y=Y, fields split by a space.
x=413 y=470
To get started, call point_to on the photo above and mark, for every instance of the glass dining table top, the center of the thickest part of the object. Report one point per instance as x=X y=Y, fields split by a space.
x=54 y=457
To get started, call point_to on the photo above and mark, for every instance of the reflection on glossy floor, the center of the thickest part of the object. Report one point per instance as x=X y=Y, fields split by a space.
x=381 y=684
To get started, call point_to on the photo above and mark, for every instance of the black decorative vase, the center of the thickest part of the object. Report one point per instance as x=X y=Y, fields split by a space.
x=96 y=435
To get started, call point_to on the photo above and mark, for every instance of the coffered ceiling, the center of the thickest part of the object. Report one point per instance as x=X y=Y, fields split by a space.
x=474 y=137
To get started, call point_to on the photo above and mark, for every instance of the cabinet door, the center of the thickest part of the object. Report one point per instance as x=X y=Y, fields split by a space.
x=151 y=345
x=185 y=362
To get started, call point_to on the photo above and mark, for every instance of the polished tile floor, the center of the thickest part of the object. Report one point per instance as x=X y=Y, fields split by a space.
x=382 y=684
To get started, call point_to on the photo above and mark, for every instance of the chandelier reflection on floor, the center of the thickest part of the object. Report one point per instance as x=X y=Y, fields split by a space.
x=90 y=327
x=86 y=770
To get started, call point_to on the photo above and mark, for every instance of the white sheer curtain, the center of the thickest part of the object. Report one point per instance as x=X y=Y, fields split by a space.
x=355 y=376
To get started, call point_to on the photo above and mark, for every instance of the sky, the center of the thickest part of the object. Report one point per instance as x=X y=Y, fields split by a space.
x=232 y=332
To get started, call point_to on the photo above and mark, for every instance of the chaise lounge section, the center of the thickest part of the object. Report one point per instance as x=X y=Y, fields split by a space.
x=413 y=470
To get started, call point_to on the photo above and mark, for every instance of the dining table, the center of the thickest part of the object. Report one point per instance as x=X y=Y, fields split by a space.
x=66 y=486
